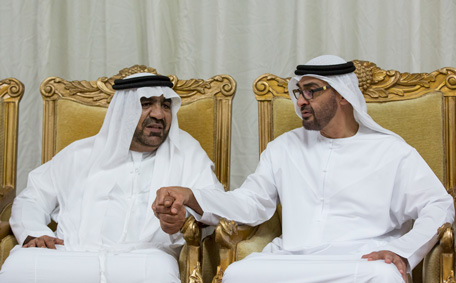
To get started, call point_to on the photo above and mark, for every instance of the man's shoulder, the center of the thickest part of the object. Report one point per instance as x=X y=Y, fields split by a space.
x=189 y=145
x=187 y=138
x=77 y=148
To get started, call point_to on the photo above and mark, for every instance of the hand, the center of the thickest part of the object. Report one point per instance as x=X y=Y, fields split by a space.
x=170 y=222
x=42 y=242
x=390 y=257
x=181 y=196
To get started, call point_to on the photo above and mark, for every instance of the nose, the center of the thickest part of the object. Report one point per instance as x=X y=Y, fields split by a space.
x=302 y=101
x=156 y=111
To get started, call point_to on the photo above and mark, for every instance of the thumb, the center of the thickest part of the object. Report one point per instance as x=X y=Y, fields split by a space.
x=177 y=205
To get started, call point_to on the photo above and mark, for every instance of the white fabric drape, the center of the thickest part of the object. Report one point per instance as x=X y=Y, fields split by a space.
x=200 y=38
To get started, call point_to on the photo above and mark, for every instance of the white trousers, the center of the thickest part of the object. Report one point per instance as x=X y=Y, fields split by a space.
x=39 y=265
x=270 y=268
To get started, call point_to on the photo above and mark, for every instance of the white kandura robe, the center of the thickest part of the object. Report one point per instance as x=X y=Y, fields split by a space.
x=111 y=233
x=341 y=199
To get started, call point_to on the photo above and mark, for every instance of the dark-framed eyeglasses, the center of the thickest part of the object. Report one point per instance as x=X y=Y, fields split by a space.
x=308 y=94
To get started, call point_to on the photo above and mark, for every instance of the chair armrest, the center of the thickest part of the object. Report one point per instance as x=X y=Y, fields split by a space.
x=238 y=241
x=190 y=257
x=5 y=229
x=7 y=241
x=446 y=236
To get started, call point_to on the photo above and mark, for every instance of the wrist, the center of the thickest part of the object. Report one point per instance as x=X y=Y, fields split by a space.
x=28 y=239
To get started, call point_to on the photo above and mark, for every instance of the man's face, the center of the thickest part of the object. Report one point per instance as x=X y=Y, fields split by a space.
x=153 y=126
x=321 y=109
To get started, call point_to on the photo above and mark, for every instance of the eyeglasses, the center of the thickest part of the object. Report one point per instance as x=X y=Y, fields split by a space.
x=308 y=94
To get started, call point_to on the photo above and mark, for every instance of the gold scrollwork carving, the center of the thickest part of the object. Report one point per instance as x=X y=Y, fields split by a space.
x=268 y=83
x=15 y=88
x=446 y=238
x=218 y=276
x=196 y=276
x=99 y=91
x=224 y=232
x=191 y=231
x=450 y=278
x=187 y=88
x=376 y=83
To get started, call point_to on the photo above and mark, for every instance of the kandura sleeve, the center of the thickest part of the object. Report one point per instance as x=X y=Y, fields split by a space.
x=420 y=196
x=253 y=203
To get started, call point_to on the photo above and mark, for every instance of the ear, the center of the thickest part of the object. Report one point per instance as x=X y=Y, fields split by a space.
x=342 y=100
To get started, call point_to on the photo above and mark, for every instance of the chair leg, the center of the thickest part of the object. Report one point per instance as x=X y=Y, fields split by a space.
x=191 y=231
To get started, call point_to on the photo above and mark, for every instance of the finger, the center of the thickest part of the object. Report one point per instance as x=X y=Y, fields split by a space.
x=172 y=218
x=49 y=242
x=388 y=258
x=177 y=206
x=154 y=205
x=39 y=242
x=59 y=241
x=161 y=209
x=168 y=201
x=371 y=256
x=30 y=244
x=401 y=267
x=161 y=194
x=400 y=264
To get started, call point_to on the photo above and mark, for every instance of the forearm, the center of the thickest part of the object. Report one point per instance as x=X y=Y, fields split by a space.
x=28 y=220
x=422 y=237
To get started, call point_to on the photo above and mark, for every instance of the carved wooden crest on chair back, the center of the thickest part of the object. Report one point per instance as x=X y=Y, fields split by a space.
x=206 y=102
x=11 y=91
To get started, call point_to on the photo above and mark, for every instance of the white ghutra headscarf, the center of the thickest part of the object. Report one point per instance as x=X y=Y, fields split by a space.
x=346 y=85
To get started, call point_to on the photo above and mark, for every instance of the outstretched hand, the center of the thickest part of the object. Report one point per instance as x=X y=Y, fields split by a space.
x=390 y=257
x=169 y=208
x=42 y=242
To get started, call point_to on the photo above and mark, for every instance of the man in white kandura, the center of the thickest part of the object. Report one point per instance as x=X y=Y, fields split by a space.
x=100 y=190
x=350 y=191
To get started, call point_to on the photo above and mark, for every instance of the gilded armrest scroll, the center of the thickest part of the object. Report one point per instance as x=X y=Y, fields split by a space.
x=227 y=235
x=5 y=229
x=191 y=231
x=446 y=237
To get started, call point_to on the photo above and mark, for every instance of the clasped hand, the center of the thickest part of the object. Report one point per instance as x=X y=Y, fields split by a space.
x=168 y=207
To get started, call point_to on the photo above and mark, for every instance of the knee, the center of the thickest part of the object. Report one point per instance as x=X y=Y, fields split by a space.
x=236 y=273
x=16 y=268
x=385 y=272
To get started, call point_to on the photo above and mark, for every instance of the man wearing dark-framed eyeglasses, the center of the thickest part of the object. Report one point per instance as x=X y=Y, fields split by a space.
x=308 y=93
x=348 y=187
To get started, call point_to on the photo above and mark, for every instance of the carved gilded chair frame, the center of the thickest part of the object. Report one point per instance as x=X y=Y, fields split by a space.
x=11 y=91
x=377 y=85
x=99 y=93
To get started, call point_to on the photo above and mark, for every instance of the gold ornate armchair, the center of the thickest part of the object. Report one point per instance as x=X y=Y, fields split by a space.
x=419 y=107
x=11 y=91
x=75 y=109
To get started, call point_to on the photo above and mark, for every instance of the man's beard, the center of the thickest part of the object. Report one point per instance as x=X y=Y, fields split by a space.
x=141 y=138
x=322 y=117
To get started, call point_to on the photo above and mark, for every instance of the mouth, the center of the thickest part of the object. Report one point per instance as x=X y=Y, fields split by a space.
x=306 y=113
x=155 y=127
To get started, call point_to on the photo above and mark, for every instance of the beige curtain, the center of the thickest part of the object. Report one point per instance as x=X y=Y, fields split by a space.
x=200 y=38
